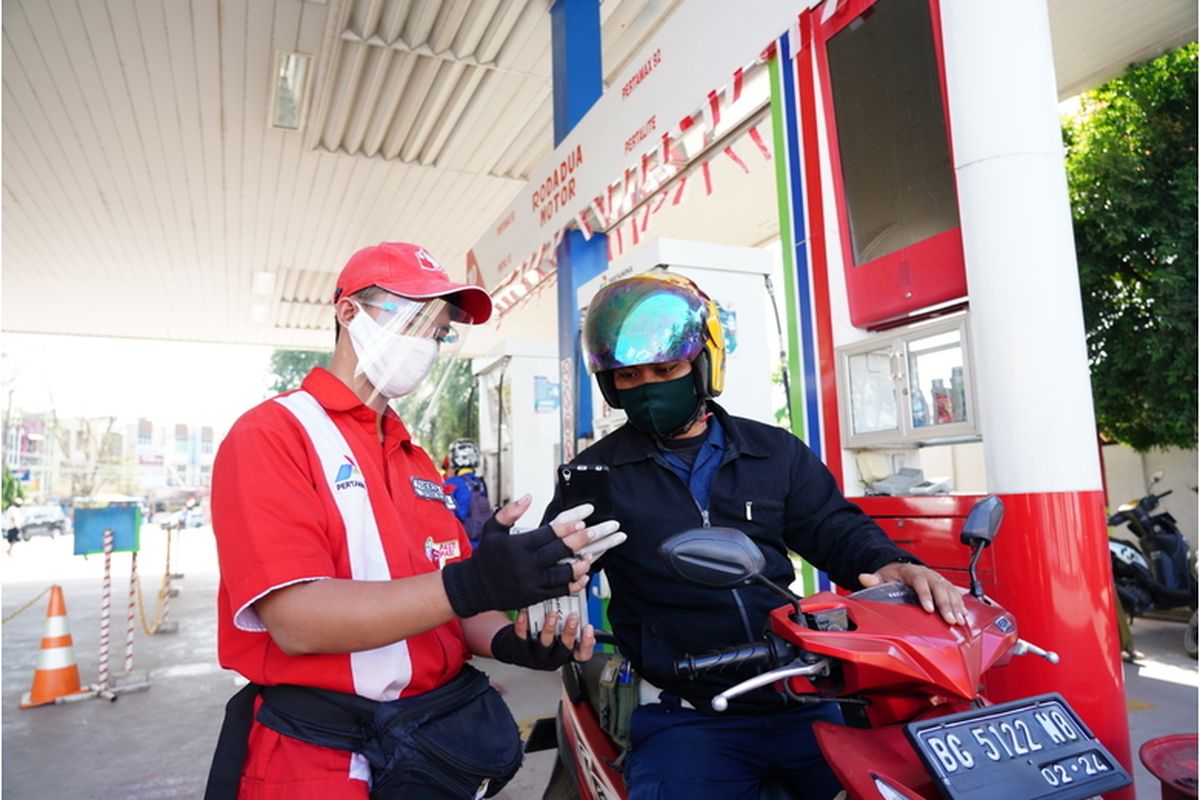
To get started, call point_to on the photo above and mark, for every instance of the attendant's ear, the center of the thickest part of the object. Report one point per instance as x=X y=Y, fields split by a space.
x=345 y=310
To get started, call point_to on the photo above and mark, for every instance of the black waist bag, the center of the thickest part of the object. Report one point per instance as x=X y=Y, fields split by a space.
x=460 y=737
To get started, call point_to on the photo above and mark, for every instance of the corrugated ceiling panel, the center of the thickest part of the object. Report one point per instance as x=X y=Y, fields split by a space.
x=138 y=165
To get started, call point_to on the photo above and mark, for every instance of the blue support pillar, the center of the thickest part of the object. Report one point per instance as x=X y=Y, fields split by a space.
x=578 y=78
x=578 y=82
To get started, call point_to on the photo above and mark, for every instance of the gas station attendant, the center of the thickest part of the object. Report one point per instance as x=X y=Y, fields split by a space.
x=350 y=596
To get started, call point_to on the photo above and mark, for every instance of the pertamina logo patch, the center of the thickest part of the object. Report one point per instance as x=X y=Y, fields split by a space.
x=428 y=262
x=441 y=552
x=348 y=476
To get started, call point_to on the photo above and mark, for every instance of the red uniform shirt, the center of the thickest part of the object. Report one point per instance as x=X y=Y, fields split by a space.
x=277 y=523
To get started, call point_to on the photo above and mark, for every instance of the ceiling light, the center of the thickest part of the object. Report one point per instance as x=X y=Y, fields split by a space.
x=264 y=282
x=289 y=81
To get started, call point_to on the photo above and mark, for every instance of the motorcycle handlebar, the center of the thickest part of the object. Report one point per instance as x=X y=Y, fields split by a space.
x=1164 y=494
x=767 y=651
x=605 y=637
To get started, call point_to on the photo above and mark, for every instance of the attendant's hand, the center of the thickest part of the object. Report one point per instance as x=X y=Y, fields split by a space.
x=514 y=571
x=600 y=537
x=549 y=650
x=935 y=592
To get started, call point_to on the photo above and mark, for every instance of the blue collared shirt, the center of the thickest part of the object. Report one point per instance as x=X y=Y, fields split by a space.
x=700 y=473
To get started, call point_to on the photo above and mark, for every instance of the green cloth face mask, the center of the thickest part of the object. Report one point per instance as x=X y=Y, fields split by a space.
x=662 y=409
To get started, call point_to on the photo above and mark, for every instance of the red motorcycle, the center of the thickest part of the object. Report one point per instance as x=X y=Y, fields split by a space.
x=917 y=726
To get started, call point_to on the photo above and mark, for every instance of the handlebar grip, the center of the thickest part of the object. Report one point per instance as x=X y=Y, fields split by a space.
x=606 y=637
x=1164 y=494
x=691 y=666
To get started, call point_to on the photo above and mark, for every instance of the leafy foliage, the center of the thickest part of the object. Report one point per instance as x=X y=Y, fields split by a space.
x=288 y=367
x=12 y=488
x=1131 y=166
x=437 y=420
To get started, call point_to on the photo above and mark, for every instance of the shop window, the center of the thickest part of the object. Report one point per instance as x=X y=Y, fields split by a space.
x=908 y=388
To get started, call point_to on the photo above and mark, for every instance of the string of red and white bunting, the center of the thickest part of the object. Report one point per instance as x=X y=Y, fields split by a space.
x=652 y=183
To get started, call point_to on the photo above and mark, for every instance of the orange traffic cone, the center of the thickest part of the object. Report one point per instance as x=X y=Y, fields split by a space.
x=57 y=675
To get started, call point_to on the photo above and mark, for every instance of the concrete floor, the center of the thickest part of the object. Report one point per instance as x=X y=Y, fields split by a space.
x=157 y=744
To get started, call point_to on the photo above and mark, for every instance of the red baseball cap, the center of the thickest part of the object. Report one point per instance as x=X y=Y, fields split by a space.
x=409 y=271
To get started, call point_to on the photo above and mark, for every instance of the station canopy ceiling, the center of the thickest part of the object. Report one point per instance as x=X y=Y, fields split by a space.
x=147 y=193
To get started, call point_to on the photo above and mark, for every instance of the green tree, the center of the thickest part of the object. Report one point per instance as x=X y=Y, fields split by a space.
x=437 y=420
x=288 y=367
x=12 y=488
x=1131 y=167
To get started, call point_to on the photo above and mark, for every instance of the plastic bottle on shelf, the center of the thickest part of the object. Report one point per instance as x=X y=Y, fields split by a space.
x=942 y=410
x=920 y=411
x=958 y=394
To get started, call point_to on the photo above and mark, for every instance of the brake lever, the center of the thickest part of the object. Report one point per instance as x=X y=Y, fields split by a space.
x=1024 y=648
x=796 y=669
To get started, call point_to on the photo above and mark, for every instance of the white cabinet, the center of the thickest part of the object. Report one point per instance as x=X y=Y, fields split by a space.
x=908 y=387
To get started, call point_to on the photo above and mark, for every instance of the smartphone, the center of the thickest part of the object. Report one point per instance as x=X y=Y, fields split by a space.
x=586 y=483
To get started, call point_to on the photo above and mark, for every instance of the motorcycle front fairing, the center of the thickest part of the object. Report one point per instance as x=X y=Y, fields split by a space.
x=895 y=654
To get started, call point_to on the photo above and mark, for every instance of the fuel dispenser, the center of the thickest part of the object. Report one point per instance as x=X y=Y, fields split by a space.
x=518 y=422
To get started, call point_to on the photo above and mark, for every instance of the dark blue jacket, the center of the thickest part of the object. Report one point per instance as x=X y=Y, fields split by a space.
x=770 y=486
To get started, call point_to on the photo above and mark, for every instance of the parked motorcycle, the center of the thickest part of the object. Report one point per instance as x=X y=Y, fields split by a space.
x=908 y=684
x=1159 y=572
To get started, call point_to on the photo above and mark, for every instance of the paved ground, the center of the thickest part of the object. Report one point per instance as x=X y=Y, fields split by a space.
x=156 y=744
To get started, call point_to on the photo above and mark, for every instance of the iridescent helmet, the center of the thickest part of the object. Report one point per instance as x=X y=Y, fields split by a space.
x=654 y=318
x=464 y=454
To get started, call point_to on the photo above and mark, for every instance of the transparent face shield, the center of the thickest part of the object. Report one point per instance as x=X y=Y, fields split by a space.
x=408 y=350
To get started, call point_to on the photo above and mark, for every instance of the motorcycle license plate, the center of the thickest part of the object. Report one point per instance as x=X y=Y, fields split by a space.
x=1030 y=748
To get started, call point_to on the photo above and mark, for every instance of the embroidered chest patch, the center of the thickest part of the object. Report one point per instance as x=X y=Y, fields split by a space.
x=441 y=552
x=429 y=490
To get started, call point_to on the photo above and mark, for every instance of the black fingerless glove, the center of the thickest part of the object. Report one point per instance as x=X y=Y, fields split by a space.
x=512 y=649
x=493 y=527
x=507 y=572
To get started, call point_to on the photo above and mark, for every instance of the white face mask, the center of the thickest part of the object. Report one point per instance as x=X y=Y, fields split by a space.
x=395 y=365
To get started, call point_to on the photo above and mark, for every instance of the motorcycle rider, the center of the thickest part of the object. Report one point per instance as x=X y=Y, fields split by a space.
x=471 y=503
x=656 y=346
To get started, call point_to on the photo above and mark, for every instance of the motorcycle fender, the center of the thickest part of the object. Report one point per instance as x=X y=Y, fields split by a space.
x=591 y=751
x=859 y=755
x=1127 y=553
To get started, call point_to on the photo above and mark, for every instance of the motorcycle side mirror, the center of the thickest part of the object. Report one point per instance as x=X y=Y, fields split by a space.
x=720 y=558
x=1156 y=477
x=982 y=522
x=978 y=532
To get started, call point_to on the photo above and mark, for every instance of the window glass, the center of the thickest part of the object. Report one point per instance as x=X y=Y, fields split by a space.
x=935 y=380
x=872 y=392
x=891 y=130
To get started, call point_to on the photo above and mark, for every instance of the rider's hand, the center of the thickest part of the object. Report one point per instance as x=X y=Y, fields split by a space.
x=512 y=644
x=934 y=591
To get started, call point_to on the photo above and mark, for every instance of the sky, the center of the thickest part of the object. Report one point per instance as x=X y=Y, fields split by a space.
x=167 y=382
